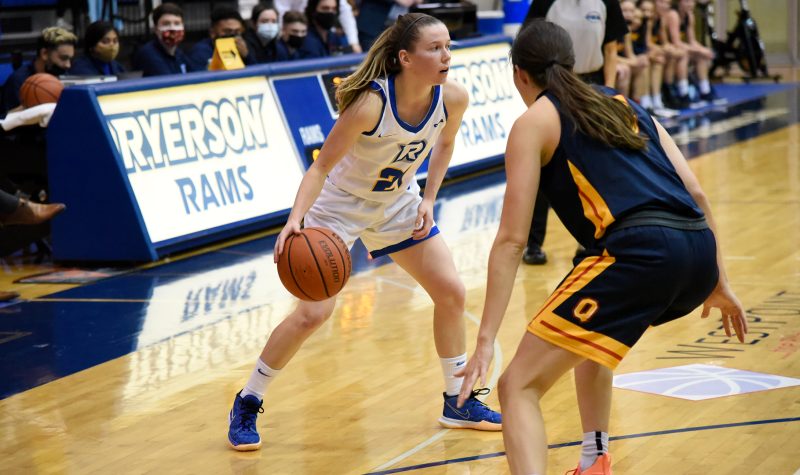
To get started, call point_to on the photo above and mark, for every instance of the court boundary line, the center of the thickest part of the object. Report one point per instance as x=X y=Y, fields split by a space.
x=498 y=363
x=578 y=442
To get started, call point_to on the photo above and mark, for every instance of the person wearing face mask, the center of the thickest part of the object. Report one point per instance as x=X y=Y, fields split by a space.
x=226 y=22
x=55 y=50
x=161 y=55
x=325 y=36
x=261 y=37
x=102 y=47
x=290 y=44
x=346 y=18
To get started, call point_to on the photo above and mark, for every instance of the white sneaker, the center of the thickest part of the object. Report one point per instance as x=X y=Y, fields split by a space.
x=665 y=113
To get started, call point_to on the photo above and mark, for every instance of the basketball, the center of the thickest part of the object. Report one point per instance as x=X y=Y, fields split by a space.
x=40 y=88
x=315 y=264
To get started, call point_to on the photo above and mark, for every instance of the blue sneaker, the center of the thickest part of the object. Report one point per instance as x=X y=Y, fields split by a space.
x=474 y=414
x=242 y=432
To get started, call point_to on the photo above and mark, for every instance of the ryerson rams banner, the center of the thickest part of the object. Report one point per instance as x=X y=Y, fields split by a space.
x=494 y=103
x=202 y=156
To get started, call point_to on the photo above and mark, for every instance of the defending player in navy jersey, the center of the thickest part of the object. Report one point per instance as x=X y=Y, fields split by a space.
x=397 y=109
x=623 y=189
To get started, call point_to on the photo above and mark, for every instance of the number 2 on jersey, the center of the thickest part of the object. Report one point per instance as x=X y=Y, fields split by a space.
x=390 y=180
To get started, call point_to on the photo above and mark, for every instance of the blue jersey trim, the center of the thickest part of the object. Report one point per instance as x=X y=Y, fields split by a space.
x=409 y=127
x=377 y=87
x=403 y=245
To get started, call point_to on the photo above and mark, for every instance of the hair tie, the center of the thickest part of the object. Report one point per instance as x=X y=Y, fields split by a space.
x=551 y=63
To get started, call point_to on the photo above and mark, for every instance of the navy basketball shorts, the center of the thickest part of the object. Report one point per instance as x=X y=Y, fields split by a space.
x=645 y=276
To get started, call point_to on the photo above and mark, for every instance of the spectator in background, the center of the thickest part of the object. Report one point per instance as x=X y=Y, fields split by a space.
x=346 y=18
x=595 y=27
x=55 y=49
x=325 y=35
x=162 y=54
x=676 y=59
x=293 y=37
x=644 y=42
x=680 y=28
x=638 y=64
x=374 y=16
x=226 y=22
x=262 y=36
x=101 y=41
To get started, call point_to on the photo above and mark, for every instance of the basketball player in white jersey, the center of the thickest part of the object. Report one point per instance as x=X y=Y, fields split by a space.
x=397 y=109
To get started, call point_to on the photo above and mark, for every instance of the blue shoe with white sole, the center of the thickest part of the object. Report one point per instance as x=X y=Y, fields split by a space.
x=474 y=414
x=242 y=431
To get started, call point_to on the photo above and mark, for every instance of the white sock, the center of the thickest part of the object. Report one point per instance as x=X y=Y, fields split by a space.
x=658 y=103
x=705 y=86
x=594 y=445
x=646 y=101
x=683 y=87
x=260 y=378
x=452 y=383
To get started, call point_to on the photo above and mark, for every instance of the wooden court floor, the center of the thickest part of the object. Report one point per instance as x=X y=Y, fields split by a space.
x=363 y=395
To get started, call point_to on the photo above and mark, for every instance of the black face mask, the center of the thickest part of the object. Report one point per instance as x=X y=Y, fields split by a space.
x=326 y=20
x=55 y=70
x=296 y=41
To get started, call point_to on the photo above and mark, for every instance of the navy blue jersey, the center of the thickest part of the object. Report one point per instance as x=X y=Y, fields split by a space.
x=591 y=185
x=639 y=38
x=684 y=27
x=655 y=30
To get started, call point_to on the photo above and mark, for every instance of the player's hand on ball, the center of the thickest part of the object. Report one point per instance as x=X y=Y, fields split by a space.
x=290 y=228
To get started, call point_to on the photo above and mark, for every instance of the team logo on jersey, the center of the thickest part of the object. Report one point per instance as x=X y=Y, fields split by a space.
x=410 y=152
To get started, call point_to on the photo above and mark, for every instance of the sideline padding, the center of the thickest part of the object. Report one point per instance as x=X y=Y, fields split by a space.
x=153 y=166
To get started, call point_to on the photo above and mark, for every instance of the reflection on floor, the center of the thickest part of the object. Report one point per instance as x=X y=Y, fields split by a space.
x=46 y=338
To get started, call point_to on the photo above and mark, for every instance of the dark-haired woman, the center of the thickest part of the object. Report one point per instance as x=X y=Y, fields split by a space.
x=396 y=109
x=625 y=192
x=325 y=35
x=262 y=35
x=102 y=47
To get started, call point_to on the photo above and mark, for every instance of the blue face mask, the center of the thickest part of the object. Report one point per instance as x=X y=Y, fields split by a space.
x=267 y=31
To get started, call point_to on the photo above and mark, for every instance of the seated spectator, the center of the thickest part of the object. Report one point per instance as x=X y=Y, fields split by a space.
x=346 y=18
x=633 y=68
x=55 y=49
x=325 y=35
x=262 y=36
x=647 y=42
x=226 y=22
x=681 y=33
x=162 y=55
x=290 y=45
x=676 y=59
x=101 y=41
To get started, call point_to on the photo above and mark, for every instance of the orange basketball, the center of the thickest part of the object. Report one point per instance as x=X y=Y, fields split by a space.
x=40 y=88
x=315 y=264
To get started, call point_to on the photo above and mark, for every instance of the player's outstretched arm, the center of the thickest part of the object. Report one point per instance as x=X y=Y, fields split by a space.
x=722 y=297
x=533 y=138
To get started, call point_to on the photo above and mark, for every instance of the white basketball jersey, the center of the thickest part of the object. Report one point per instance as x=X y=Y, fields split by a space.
x=383 y=162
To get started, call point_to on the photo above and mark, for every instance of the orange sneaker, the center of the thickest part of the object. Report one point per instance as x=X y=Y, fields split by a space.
x=601 y=466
